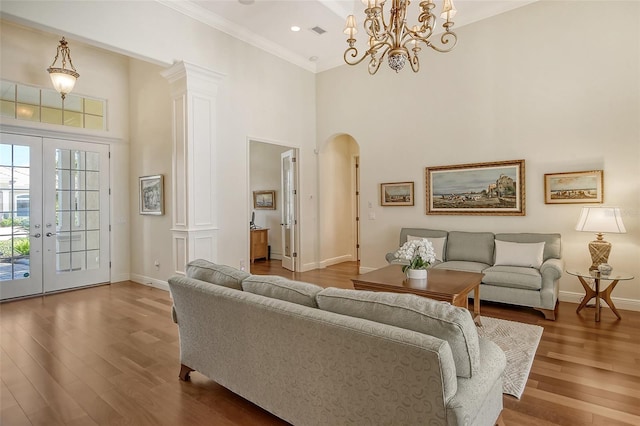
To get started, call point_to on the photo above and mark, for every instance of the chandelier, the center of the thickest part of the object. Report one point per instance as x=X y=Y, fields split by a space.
x=394 y=38
x=63 y=79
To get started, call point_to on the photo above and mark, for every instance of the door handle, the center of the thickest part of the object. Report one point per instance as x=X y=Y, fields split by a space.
x=36 y=235
x=50 y=234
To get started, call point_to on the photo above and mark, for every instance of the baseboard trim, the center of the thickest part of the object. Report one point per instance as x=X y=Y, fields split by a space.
x=151 y=282
x=621 y=302
x=336 y=260
x=120 y=277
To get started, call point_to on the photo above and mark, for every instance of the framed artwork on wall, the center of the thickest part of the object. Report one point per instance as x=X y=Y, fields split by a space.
x=152 y=195
x=264 y=200
x=495 y=188
x=574 y=187
x=396 y=194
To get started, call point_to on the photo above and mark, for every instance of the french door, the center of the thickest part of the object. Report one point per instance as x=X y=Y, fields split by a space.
x=54 y=215
x=289 y=206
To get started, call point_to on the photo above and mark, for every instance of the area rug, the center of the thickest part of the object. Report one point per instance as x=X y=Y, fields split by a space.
x=519 y=342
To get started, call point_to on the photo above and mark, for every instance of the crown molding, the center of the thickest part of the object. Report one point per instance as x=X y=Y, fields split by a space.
x=205 y=16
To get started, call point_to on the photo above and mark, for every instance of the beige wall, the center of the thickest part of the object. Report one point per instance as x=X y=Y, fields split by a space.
x=151 y=151
x=260 y=97
x=545 y=83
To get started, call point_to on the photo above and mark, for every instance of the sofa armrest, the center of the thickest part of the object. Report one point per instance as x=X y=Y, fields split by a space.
x=551 y=271
x=552 y=268
x=391 y=258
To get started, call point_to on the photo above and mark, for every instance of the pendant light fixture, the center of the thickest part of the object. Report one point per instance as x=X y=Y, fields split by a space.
x=64 y=78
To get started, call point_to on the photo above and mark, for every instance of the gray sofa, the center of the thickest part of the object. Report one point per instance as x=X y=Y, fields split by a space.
x=510 y=274
x=315 y=356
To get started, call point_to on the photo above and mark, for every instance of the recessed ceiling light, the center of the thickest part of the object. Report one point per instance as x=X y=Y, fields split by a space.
x=295 y=28
x=313 y=58
x=246 y=2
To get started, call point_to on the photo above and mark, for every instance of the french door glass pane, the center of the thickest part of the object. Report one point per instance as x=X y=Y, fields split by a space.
x=77 y=210
x=14 y=212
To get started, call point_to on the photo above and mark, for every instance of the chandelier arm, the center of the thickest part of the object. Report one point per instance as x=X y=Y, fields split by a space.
x=445 y=39
x=354 y=53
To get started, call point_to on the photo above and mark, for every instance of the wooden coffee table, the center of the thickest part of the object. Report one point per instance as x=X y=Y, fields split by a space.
x=441 y=284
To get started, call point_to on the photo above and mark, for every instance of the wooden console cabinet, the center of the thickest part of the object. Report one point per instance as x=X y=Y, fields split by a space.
x=259 y=244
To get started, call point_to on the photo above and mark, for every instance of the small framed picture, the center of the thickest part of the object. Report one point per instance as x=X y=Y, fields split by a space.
x=574 y=187
x=152 y=195
x=264 y=200
x=396 y=194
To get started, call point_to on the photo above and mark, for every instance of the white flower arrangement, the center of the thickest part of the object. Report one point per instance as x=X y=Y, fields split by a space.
x=419 y=253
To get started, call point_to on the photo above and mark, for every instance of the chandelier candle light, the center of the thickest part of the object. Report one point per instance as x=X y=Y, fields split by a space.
x=420 y=255
x=63 y=79
x=394 y=38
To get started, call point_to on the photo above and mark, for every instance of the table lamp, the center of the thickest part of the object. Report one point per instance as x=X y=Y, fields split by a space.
x=600 y=220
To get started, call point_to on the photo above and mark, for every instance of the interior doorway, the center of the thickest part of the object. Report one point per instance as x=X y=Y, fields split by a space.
x=273 y=168
x=339 y=211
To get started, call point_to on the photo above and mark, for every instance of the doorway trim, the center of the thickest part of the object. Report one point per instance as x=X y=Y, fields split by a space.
x=297 y=239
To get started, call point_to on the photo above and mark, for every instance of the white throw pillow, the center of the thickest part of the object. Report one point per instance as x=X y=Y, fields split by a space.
x=437 y=243
x=529 y=255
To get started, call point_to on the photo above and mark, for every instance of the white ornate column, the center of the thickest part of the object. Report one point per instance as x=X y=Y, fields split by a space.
x=194 y=189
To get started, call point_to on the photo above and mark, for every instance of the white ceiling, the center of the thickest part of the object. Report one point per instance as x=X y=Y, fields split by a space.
x=266 y=23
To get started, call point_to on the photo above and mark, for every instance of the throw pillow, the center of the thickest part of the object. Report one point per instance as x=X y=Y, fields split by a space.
x=529 y=255
x=438 y=245
x=281 y=288
x=411 y=312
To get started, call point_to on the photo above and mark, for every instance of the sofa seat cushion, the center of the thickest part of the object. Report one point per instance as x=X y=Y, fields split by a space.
x=462 y=266
x=223 y=275
x=411 y=312
x=275 y=287
x=513 y=276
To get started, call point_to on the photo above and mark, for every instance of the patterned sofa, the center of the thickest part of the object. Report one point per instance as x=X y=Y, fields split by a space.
x=519 y=268
x=315 y=356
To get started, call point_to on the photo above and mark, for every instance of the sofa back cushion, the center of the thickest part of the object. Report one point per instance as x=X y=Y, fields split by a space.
x=223 y=275
x=437 y=243
x=470 y=246
x=552 y=246
x=283 y=289
x=411 y=312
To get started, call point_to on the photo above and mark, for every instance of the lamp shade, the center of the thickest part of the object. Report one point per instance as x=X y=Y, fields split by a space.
x=62 y=80
x=601 y=220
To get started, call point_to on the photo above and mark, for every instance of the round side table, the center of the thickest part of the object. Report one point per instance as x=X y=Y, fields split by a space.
x=605 y=294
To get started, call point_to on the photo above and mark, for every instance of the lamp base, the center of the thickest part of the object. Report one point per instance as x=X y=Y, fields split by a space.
x=599 y=250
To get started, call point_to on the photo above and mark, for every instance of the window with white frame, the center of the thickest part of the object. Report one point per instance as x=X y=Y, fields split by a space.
x=31 y=103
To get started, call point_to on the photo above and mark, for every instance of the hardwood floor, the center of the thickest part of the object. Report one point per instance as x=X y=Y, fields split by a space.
x=109 y=356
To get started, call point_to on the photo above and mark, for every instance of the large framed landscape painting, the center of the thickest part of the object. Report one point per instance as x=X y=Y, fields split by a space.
x=574 y=187
x=495 y=188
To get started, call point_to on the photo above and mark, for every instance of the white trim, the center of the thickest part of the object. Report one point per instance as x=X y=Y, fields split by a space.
x=119 y=278
x=151 y=282
x=215 y=21
x=336 y=260
x=620 y=302
x=8 y=125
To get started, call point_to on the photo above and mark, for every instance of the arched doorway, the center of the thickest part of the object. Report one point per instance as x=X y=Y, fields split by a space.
x=338 y=164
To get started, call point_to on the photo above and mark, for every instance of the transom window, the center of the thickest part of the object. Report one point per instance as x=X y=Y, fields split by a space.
x=47 y=106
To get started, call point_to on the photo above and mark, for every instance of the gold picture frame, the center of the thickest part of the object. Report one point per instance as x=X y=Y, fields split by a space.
x=264 y=200
x=487 y=189
x=574 y=187
x=396 y=194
